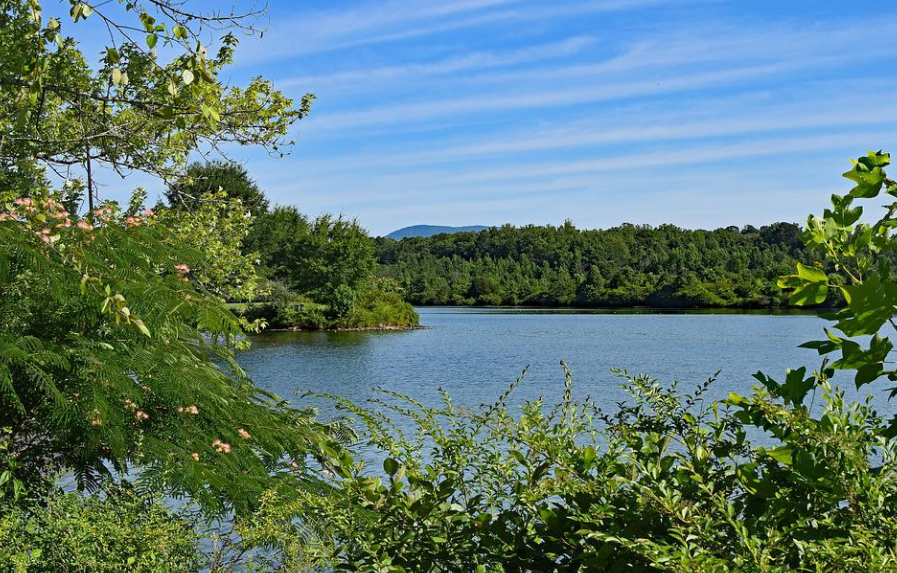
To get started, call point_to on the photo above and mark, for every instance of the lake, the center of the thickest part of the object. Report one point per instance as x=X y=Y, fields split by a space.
x=475 y=353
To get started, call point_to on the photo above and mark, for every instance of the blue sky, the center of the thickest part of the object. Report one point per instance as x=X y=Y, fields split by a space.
x=698 y=113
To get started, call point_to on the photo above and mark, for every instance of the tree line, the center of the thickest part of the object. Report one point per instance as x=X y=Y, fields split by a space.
x=629 y=265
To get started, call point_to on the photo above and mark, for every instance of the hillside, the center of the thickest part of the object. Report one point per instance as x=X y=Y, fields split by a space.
x=430 y=230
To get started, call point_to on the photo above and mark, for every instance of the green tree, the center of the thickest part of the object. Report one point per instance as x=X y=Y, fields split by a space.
x=116 y=352
x=328 y=259
x=201 y=179
x=114 y=356
x=136 y=110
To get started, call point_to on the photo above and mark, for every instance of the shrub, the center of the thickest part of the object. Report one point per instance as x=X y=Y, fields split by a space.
x=379 y=304
x=120 y=531
x=667 y=483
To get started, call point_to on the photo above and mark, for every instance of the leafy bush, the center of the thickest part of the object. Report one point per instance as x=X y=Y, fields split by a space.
x=379 y=304
x=121 y=531
x=667 y=483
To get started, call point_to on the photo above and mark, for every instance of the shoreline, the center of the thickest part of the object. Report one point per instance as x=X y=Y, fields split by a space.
x=382 y=328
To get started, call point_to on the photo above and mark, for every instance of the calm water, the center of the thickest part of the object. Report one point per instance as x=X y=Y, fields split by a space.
x=475 y=354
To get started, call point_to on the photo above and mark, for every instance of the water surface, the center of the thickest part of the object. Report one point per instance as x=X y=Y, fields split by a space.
x=476 y=353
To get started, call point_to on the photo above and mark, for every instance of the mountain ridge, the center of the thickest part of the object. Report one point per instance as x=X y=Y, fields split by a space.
x=430 y=230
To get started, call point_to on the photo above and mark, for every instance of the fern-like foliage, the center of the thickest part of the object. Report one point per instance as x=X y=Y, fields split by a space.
x=114 y=360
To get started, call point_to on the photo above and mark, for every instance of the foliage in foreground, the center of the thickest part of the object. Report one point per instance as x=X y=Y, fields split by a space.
x=114 y=356
x=122 y=531
x=667 y=483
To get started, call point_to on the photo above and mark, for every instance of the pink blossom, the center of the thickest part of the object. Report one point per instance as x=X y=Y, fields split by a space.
x=45 y=231
x=45 y=239
x=243 y=434
x=149 y=213
x=23 y=201
x=195 y=456
x=182 y=268
x=131 y=220
x=84 y=225
x=141 y=415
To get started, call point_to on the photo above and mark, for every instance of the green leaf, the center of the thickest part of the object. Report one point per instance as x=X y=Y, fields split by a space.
x=869 y=305
x=811 y=274
x=868 y=175
x=809 y=294
x=796 y=386
x=588 y=455
x=869 y=363
x=390 y=466
x=141 y=326
x=782 y=454
x=810 y=286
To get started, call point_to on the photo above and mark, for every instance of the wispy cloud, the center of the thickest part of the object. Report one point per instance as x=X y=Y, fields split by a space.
x=714 y=118
x=487 y=111
x=451 y=65
x=546 y=97
x=397 y=19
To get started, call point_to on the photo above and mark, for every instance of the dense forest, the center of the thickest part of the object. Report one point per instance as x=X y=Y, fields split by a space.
x=629 y=265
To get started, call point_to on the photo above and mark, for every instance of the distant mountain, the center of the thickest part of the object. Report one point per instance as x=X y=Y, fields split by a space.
x=430 y=230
